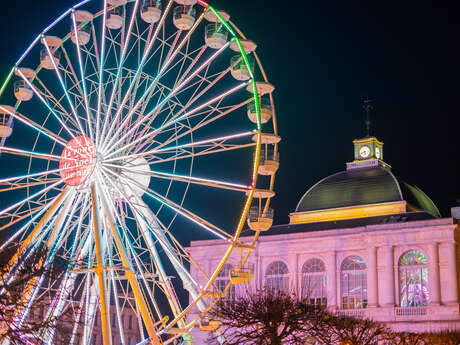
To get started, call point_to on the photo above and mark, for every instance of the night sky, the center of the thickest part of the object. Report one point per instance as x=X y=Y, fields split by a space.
x=325 y=57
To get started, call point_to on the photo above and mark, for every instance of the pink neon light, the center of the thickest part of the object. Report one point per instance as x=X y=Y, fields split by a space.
x=78 y=160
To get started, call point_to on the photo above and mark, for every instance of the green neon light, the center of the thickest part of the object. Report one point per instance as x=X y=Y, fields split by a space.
x=6 y=81
x=246 y=61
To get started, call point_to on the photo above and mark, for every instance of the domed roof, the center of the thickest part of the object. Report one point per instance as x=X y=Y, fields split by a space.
x=363 y=186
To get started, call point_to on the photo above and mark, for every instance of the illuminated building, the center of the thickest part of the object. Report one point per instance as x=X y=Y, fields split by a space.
x=362 y=242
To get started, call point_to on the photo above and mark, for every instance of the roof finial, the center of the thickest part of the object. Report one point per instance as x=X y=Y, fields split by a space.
x=368 y=107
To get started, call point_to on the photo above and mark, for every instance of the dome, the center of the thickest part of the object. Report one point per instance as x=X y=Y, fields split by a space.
x=363 y=186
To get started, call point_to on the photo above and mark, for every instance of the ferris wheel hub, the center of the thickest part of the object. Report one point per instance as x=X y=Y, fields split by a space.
x=78 y=160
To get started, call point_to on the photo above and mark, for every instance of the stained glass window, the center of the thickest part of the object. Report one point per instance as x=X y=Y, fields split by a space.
x=314 y=282
x=413 y=279
x=353 y=283
x=277 y=276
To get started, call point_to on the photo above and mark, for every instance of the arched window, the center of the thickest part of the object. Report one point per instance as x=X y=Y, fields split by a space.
x=277 y=276
x=223 y=278
x=353 y=282
x=314 y=282
x=413 y=279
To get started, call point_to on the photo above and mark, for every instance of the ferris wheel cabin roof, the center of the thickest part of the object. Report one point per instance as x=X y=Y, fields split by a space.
x=29 y=73
x=211 y=16
x=83 y=16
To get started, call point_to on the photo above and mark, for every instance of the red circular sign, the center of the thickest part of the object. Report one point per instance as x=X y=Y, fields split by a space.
x=77 y=160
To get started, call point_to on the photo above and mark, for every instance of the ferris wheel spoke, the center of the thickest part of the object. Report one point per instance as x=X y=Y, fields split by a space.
x=138 y=294
x=127 y=240
x=33 y=196
x=26 y=185
x=101 y=72
x=30 y=154
x=206 y=120
x=177 y=208
x=137 y=74
x=198 y=154
x=171 y=94
x=50 y=97
x=63 y=86
x=61 y=122
x=178 y=89
x=207 y=150
x=19 y=232
x=122 y=57
x=177 y=119
x=72 y=75
x=35 y=126
x=152 y=225
x=157 y=77
x=181 y=76
x=220 y=142
x=186 y=179
x=82 y=75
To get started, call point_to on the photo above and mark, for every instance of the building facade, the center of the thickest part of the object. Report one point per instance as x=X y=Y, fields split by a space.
x=363 y=243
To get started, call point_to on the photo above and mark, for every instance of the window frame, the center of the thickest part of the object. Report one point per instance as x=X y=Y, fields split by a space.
x=353 y=271
x=422 y=270
x=316 y=270
x=282 y=277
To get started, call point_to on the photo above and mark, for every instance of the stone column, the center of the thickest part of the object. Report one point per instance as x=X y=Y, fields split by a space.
x=372 y=281
x=331 y=281
x=388 y=293
x=433 y=274
x=449 y=275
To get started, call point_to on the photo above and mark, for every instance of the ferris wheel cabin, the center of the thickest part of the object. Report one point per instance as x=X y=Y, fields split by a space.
x=248 y=46
x=242 y=275
x=265 y=108
x=210 y=16
x=22 y=91
x=269 y=162
x=216 y=35
x=184 y=17
x=46 y=59
x=239 y=69
x=82 y=19
x=151 y=11
x=6 y=123
x=207 y=325
x=115 y=18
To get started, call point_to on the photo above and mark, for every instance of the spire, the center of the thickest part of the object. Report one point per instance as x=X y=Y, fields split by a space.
x=368 y=107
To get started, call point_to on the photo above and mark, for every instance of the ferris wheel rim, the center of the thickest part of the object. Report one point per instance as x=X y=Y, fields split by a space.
x=258 y=143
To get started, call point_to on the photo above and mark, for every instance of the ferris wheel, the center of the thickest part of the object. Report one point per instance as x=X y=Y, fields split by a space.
x=137 y=124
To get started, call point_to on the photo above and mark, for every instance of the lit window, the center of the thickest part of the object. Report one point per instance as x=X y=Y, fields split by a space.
x=314 y=282
x=353 y=282
x=223 y=279
x=413 y=279
x=277 y=276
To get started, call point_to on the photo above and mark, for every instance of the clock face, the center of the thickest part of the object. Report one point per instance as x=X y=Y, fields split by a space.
x=377 y=152
x=364 y=151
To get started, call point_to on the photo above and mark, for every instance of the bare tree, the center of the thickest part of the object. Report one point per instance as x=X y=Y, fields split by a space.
x=16 y=285
x=333 y=329
x=406 y=338
x=265 y=317
x=444 y=338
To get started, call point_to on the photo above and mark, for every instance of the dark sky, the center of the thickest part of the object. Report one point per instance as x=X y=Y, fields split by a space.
x=324 y=57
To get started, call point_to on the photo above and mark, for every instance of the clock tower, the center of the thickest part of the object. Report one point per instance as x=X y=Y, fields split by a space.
x=368 y=148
